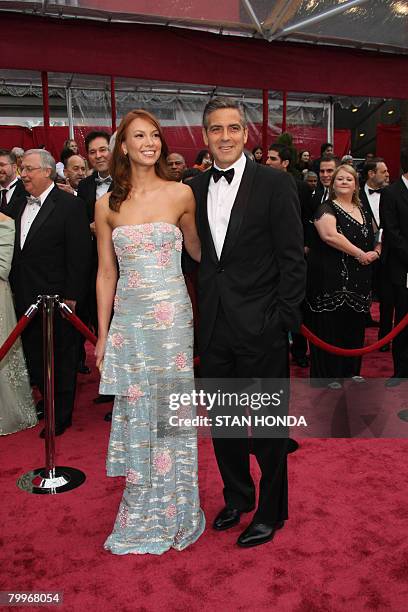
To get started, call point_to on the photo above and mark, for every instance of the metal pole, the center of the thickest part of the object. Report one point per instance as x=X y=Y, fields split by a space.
x=46 y=105
x=330 y=122
x=113 y=103
x=70 y=114
x=284 y=110
x=265 y=122
x=49 y=412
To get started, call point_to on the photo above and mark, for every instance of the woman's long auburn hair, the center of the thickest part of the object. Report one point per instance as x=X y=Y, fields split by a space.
x=350 y=170
x=120 y=169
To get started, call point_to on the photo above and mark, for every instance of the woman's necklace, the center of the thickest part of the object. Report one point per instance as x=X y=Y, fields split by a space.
x=348 y=211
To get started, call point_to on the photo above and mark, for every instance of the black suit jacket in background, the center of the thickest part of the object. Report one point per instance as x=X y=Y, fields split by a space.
x=56 y=255
x=17 y=201
x=394 y=221
x=87 y=193
x=259 y=279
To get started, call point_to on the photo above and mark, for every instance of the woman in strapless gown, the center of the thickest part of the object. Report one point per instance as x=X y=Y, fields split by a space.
x=17 y=410
x=147 y=355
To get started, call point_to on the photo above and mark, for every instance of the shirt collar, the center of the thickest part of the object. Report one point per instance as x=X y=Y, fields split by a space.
x=238 y=165
x=46 y=193
x=12 y=184
x=404 y=180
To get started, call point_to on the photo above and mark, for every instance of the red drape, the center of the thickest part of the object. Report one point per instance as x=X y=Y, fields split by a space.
x=342 y=142
x=15 y=136
x=388 y=147
x=186 y=56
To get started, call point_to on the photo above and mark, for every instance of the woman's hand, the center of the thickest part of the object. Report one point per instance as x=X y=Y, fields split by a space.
x=100 y=352
x=366 y=258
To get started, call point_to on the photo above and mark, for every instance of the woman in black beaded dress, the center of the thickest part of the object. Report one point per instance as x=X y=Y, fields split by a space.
x=339 y=278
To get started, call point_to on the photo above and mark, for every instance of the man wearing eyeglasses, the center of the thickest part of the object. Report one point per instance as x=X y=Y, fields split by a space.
x=52 y=255
x=12 y=192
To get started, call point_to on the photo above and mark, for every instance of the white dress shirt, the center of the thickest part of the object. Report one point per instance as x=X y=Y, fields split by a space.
x=404 y=180
x=220 y=200
x=104 y=187
x=29 y=214
x=374 y=202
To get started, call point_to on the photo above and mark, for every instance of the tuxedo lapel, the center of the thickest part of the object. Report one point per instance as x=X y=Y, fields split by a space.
x=403 y=190
x=203 y=224
x=239 y=207
x=45 y=210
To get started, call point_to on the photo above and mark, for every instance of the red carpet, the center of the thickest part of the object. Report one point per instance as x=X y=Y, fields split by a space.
x=344 y=547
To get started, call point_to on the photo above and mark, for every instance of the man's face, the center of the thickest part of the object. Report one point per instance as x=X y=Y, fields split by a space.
x=99 y=155
x=35 y=179
x=75 y=170
x=312 y=182
x=176 y=165
x=73 y=146
x=328 y=151
x=7 y=171
x=326 y=172
x=225 y=136
x=273 y=159
x=380 y=177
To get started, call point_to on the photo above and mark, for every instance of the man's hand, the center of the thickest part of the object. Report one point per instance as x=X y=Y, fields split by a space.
x=92 y=228
x=67 y=188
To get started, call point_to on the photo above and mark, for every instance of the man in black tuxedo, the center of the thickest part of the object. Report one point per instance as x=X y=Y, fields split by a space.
x=51 y=256
x=12 y=192
x=91 y=189
x=394 y=221
x=251 y=286
x=280 y=157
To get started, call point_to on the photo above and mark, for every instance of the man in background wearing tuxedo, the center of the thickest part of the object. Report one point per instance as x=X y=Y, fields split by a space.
x=12 y=192
x=52 y=254
x=251 y=286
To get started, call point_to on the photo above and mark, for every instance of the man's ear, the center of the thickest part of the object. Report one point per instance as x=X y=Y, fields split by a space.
x=205 y=137
x=245 y=134
x=285 y=163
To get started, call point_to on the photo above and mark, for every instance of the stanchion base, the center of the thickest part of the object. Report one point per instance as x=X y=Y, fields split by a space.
x=37 y=481
x=403 y=414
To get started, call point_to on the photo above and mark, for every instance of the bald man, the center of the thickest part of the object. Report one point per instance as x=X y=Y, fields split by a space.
x=176 y=165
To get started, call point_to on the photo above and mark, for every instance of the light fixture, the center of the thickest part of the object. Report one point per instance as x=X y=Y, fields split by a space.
x=391 y=111
x=361 y=134
x=400 y=8
x=354 y=110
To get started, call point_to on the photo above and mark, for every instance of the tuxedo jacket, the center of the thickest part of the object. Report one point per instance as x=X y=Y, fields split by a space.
x=394 y=221
x=87 y=193
x=259 y=279
x=17 y=200
x=367 y=208
x=55 y=258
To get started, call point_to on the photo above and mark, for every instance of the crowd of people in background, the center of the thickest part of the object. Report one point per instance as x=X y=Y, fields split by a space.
x=355 y=243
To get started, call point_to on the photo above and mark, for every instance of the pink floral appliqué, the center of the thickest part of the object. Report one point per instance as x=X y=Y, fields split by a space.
x=133 y=476
x=117 y=340
x=163 y=257
x=178 y=245
x=116 y=303
x=134 y=280
x=162 y=463
x=171 y=511
x=164 y=313
x=149 y=246
x=123 y=516
x=181 y=361
x=133 y=233
x=147 y=228
x=134 y=393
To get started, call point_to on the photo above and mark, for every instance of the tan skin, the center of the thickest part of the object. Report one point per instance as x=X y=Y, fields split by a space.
x=151 y=200
x=4 y=217
x=344 y=186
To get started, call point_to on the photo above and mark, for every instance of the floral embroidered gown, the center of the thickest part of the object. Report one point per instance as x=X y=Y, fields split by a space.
x=148 y=355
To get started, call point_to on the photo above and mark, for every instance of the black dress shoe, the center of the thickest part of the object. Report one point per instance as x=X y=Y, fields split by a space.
x=394 y=381
x=228 y=517
x=39 y=408
x=83 y=368
x=385 y=348
x=292 y=446
x=302 y=362
x=59 y=429
x=258 y=533
x=108 y=417
x=103 y=399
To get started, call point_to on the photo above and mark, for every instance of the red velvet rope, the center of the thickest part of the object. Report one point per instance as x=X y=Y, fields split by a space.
x=19 y=328
x=77 y=323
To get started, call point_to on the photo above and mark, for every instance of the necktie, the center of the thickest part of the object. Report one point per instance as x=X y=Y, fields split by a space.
x=227 y=174
x=325 y=195
x=3 y=200
x=371 y=191
x=31 y=200
x=103 y=181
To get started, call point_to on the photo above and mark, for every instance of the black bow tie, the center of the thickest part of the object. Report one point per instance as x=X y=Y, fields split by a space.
x=103 y=181
x=227 y=174
x=371 y=191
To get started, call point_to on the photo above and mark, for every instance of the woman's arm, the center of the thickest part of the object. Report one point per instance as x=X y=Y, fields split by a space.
x=188 y=225
x=107 y=276
x=327 y=229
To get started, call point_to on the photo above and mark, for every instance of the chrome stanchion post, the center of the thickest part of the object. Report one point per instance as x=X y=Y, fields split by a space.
x=49 y=412
x=50 y=480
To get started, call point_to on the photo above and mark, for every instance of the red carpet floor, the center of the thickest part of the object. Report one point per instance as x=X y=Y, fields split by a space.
x=344 y=547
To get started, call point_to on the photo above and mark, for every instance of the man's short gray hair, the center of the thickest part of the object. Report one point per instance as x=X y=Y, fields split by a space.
x=18 y=151
x=46 y=160
x=219 y=103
